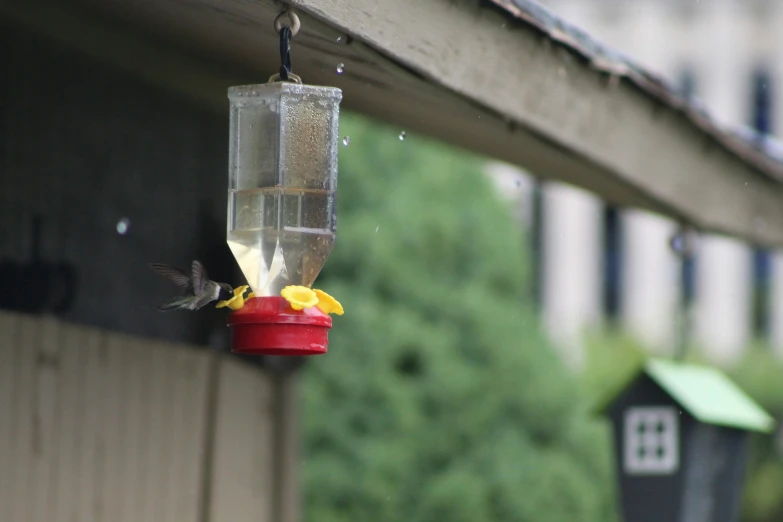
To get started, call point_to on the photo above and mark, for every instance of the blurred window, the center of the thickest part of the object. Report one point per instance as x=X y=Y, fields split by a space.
x=613 y=261
x=651 y=441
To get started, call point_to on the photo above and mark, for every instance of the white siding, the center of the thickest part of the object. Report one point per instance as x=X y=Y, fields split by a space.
x=241 y=478
x=97 y=426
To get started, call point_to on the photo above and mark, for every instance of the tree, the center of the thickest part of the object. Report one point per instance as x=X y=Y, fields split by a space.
x=440 y=399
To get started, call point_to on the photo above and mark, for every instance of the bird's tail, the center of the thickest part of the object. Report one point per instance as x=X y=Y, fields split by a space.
x=177 y=302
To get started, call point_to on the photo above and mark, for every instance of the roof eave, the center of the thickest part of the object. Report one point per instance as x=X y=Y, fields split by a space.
x=605 y=125
x=476 y=75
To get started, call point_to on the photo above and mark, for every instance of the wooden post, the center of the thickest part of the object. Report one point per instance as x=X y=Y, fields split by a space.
x=285 y=473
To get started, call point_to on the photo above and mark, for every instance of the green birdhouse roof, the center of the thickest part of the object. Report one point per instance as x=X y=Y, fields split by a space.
x=708 y=395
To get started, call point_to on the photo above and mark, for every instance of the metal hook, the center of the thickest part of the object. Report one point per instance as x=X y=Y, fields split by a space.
x=291 y=15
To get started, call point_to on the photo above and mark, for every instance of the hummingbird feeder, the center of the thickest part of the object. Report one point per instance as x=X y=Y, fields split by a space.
x=282 y=207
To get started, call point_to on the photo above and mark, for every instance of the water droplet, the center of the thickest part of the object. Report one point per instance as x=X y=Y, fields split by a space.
x=685 y=242
x=340 y=68
x=346 y=141
x=677 y=243
x=402 y=135
x=339 y=39
x=123 y=225
x=376 y=229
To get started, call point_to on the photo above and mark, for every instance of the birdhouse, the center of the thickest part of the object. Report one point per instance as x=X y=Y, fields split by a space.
x=281 y=209
x=681 y=435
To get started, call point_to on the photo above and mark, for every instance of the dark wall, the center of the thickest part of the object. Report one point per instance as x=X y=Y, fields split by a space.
x=648 y=498
x=82 y=148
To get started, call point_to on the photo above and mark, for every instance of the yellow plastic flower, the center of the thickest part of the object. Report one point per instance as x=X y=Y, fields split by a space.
x=236 y=302
x=299 y=297
x=328 y=304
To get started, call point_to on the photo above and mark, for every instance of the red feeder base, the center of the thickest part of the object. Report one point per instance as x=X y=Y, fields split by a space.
x=269 y=326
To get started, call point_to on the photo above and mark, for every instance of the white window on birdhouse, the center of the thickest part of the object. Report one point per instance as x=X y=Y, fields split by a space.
x=651 y=441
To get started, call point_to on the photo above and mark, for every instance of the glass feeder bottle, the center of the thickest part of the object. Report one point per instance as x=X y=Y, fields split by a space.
x=281 y=209
x=282 y=182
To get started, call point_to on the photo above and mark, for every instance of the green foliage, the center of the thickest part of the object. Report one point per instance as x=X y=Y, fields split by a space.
x=440 y=398
x=613 y=359
x=760 y=375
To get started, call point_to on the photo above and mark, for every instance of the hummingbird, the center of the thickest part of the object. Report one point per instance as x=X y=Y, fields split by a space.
x=198 y=289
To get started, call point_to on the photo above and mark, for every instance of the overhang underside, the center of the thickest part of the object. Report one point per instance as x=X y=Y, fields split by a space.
x=474 y=74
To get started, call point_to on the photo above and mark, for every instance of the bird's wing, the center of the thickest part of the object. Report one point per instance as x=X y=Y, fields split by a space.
x=199 y=276
x=175 y=275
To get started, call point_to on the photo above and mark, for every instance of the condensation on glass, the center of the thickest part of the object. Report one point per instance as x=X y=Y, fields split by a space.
x=282 y=182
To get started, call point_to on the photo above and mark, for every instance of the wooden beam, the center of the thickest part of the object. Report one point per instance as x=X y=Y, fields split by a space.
x=598 y=134
x=456 y=71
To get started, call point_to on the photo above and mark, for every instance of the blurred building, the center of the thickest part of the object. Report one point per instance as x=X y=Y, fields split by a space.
x=604 y=264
